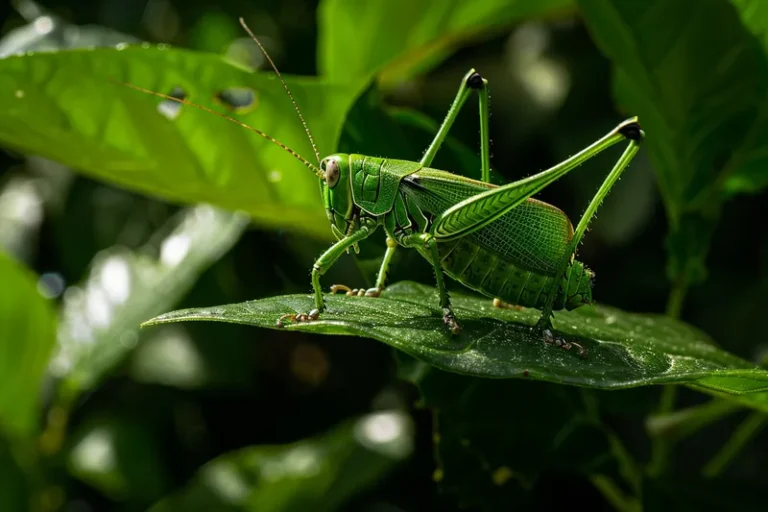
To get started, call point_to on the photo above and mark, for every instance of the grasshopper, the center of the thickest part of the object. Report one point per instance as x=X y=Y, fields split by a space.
x=496 y=240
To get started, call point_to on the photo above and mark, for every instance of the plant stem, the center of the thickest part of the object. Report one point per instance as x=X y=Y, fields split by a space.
x=660 y=446
x=614 y=495
x=676 y=298
x=628 y=468
x=683 y=423
x=748 y=429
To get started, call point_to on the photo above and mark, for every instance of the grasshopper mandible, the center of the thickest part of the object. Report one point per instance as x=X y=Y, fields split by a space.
x=496 y=240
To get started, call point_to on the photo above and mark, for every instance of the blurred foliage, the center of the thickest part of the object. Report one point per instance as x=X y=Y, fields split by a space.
x=212 y=416
x=707 y=130
x=28 y=331
x=318 y=474
x=404 y=37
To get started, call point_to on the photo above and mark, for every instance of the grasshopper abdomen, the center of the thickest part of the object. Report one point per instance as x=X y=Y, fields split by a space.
x=493 y=276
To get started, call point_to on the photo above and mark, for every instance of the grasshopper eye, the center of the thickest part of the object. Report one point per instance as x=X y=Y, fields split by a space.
x=331 y=173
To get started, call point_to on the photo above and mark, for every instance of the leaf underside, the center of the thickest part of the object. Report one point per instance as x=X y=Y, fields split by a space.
x=623 y=349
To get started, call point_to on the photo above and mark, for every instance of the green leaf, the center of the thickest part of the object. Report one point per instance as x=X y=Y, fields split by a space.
x=27 y=335
x=14 y=486
x=401 y=37
x=120 y=457
x=697 y=80
x=46 y=31
x=100 y=317
x=63 y=106
x=624 y=349
x=488 y=458
x=318 y=474
x=751 y=176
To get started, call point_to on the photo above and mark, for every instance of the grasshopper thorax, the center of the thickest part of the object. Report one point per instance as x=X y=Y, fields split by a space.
x=337 y=194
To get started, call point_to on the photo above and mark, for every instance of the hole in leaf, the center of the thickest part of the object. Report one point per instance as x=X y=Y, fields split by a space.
x=172 y=109
x=237 y=99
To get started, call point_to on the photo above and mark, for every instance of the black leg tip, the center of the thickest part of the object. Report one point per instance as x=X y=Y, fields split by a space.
x=475 y=81
x=632 y=131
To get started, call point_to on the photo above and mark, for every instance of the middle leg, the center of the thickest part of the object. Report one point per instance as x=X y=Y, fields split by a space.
x=430 y=244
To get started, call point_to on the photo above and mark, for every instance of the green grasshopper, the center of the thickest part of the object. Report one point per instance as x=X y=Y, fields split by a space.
x=496 y=240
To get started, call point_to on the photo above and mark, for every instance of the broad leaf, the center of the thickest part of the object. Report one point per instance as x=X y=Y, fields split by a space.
x=46 y=31
x=65 y=106
x=27 y=335
x=318 y=474
x=119 y=456
x=624 y=349
x=493 y=438
x=402 y=37
x=697 y=80
x=14 y=486
x=100 y=317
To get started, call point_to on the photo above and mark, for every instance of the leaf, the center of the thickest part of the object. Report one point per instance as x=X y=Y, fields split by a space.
x=751 y=176
x=27 y=335
x=100 y=317
x=697 y=79
x=624 y=349
x=703 y=495
x=120 y=457
x=493 y=438
x=401 y=37
x=14 y=487
x=318 y=474
x=46 y=31
x=63 y=106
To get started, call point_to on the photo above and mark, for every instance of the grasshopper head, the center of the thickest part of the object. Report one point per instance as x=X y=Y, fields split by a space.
x=337 y=194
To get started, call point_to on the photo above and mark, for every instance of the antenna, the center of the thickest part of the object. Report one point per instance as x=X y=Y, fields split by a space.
x=320 y=174
x=285 y=86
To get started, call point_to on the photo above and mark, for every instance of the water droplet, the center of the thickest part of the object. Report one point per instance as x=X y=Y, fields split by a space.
x=169 y=108
x=19 y=94
x=237 y=99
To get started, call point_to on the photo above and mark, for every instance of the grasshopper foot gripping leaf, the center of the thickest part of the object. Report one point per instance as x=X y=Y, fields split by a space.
x=355 y=292
x=449 y=319
x=561 y=342
x=299 y=317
